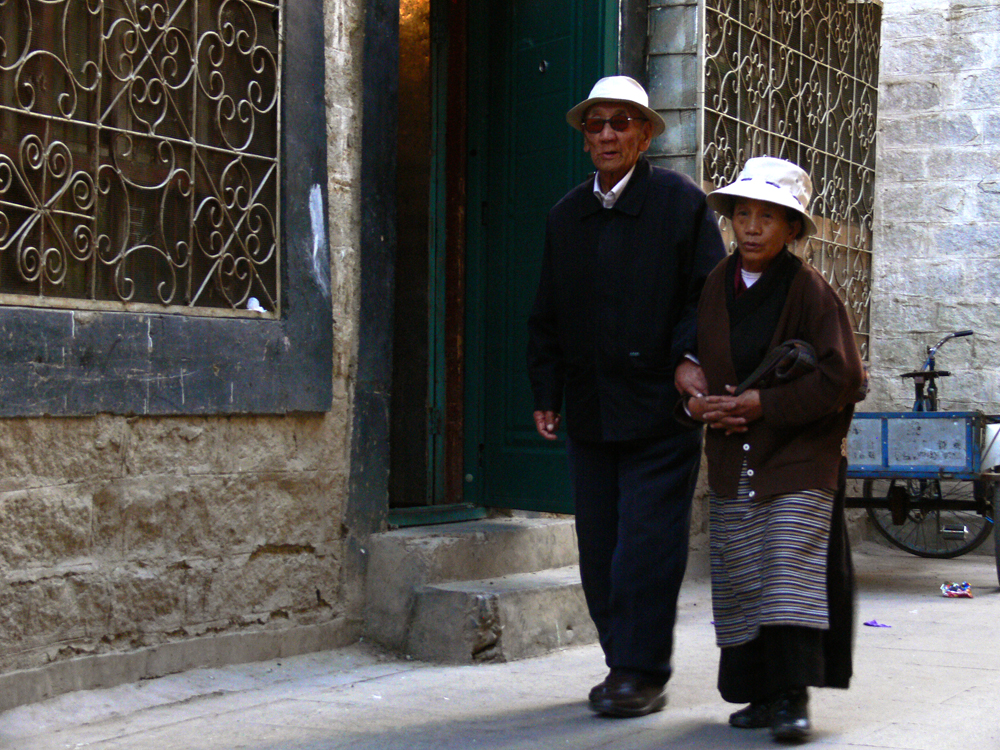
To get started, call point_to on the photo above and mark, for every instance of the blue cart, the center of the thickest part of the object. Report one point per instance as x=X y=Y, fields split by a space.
x=930 y=479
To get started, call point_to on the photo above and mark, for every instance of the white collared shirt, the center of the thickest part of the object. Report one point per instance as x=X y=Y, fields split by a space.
x=609 y=198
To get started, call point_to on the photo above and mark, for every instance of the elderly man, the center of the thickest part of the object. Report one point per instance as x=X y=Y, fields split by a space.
x=626 y=254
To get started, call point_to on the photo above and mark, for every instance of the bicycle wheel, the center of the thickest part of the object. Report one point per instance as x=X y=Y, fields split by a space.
x=927 y=530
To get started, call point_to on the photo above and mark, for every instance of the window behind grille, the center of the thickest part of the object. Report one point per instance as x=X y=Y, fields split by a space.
x=139 y=161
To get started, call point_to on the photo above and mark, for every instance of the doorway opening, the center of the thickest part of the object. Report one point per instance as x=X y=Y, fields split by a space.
x=483 y=153
x=428 y=379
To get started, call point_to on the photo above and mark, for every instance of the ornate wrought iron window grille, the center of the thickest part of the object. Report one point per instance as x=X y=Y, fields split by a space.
x=139 y=159
x=798 y=79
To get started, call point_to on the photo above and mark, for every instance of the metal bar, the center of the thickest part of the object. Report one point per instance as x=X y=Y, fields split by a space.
x=863 y=502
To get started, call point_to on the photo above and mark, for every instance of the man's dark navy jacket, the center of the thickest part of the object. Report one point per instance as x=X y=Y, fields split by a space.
x=617 y=303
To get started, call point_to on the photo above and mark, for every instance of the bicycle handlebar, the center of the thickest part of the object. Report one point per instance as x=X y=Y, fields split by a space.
x=931 y=350
x=928 y=373
x=928 y=367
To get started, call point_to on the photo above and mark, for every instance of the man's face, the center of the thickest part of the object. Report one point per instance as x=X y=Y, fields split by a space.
x=614 y=153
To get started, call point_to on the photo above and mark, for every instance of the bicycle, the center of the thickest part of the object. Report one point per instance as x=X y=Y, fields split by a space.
x=929 y=479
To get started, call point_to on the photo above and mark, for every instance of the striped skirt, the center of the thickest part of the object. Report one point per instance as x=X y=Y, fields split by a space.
x=768 y=561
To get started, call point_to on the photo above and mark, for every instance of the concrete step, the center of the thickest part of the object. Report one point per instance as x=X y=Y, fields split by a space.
x=489 y=547
x=500 y=619
x=408 y=567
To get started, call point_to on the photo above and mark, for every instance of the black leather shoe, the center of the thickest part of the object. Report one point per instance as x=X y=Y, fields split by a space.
x=598 y=691
x=601 y=689
x=631 y=696
x=755 y=716
x=790 y=720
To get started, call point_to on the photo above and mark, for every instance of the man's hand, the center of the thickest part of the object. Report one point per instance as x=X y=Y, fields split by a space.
x=732 y=413
x=690 y=379
x=547 y=424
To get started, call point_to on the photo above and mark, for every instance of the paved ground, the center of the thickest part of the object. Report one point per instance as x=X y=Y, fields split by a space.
x=931 y=681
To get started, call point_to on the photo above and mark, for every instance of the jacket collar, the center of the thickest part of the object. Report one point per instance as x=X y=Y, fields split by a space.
x=631 y=200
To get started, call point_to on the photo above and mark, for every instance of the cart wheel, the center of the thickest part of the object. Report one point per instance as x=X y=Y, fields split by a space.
x=925 y=530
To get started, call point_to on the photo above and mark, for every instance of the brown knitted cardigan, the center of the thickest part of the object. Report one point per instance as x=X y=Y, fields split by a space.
x=799 y=442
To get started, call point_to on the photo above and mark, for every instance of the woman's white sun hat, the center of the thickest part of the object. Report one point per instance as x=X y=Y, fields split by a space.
x=766 y=178
x=617 y=89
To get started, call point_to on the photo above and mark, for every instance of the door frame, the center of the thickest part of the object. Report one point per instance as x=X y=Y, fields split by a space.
x=367 y=505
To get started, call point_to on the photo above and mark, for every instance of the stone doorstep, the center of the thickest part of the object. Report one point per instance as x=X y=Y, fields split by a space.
x=479 y=549
x=500 y=619
x=408 y=569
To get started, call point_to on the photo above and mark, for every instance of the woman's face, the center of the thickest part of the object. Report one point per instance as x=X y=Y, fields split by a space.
x=762 y=229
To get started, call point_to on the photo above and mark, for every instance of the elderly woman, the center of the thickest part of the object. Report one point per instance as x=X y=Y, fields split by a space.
x=782 y=584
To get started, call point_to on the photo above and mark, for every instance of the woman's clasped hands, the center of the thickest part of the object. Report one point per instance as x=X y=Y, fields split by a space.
x=729 y=413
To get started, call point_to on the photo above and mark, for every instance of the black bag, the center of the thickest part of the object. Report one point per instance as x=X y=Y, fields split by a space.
x=787 y=361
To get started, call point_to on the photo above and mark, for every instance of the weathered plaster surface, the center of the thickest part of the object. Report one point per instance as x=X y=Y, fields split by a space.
x=216 y=538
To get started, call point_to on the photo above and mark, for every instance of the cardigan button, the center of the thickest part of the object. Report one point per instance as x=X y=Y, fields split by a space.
x=746 y=446
x=752 y=494
x=749 y=472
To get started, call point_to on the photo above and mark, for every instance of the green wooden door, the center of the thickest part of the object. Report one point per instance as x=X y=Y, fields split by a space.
x=530 y=61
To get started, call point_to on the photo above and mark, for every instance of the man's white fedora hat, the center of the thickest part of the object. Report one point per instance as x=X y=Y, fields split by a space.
x=766 y=178
x=617 y=89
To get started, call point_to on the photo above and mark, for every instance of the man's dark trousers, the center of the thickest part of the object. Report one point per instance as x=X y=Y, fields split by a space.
x=633 y=516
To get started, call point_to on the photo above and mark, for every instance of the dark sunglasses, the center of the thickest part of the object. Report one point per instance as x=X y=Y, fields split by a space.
x=595 y=125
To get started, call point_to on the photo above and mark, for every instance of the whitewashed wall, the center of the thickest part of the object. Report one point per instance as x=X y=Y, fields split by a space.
x=937 y=212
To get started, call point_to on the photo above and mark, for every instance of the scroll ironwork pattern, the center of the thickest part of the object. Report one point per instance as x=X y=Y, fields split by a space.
x=798 y=79
x=139 y=153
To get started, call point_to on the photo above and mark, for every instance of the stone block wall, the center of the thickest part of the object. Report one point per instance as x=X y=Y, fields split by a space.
x=132 y=547
x=674 y=83
x=675 y=87
x=937 y=230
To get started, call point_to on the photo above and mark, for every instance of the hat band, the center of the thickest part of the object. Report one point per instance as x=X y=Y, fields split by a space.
x=775 y=185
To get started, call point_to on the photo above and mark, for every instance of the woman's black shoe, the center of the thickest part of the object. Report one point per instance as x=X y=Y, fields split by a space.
x=755 y=716
x=790 y=719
